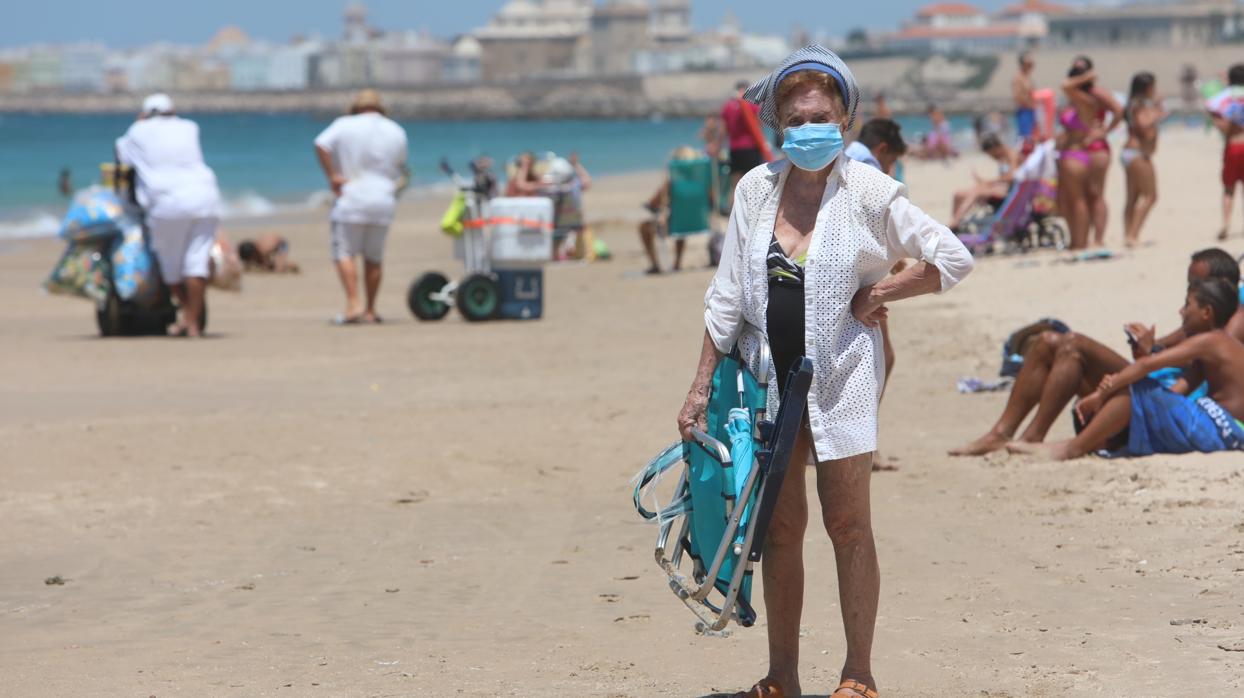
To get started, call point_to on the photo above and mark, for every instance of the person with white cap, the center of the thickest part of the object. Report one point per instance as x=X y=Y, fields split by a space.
x=363 y=155
x=178 y=194
x=810 y=242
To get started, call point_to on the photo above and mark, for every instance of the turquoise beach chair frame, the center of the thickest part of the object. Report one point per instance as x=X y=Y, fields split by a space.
x=721 y=509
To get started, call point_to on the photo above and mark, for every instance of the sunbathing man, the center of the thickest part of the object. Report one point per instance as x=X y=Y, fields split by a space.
x=1058 y=367
x=269 y=252
x=1155 y=419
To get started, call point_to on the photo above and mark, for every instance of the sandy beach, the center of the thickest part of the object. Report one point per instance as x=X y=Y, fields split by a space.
x=292 y=508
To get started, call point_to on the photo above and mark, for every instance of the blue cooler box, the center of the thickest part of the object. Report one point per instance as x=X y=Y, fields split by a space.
x=522 y=293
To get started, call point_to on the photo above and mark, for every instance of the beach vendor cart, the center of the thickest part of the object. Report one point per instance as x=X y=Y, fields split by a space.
x=503 y=243
x=108 y=260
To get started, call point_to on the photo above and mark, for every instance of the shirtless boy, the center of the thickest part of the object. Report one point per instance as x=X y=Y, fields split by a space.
x=1161 y=420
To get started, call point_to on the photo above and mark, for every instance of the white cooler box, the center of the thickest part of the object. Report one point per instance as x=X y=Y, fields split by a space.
x=521 y=231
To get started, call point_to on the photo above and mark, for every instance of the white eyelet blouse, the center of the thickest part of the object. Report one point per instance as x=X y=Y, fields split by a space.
x=865 y=225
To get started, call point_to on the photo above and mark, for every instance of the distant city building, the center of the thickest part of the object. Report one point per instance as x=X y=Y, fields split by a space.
x=82 y=67
x=618 y=30
x=410 y=58
x=463 y=62
x=1151 y=25
x=533 y=38
x=956 y=27
x=671 y=23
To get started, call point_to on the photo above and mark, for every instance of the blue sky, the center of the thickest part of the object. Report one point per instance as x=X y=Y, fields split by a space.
x=126 y=23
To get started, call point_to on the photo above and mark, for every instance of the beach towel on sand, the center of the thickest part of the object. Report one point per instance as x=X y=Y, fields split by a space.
x=1167 y=422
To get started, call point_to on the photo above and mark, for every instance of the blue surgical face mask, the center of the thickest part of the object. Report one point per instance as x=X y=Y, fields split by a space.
x=812 y=146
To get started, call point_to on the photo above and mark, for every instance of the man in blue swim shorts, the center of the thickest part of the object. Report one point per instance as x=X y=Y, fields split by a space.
x=1059 y=366
x=1025 y=103
x=1131 y=406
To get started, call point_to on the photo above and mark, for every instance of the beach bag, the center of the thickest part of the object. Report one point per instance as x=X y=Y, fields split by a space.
x=95 y=213
x=133 y=267
x=81 y=271
x=225 y=265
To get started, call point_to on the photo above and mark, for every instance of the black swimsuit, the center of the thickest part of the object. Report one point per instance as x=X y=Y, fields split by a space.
x=784 y=316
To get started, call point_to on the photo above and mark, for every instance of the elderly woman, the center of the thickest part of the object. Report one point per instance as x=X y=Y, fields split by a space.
x=810 y=240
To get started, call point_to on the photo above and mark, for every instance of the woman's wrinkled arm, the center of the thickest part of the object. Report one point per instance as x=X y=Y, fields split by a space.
x=723 y=320
x=693 y=409
x=942 y=263
x=910 y=232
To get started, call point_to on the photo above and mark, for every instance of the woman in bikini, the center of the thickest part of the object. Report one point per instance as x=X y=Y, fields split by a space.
x=1143 y=114
x=1084 y=156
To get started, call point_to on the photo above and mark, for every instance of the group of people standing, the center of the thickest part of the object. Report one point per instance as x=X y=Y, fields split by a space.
x=363 y=155
x=1090 y=113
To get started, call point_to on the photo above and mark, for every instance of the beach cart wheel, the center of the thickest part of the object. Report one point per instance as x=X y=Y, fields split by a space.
x=478 y=297
x=419 y=297
x=109 y=317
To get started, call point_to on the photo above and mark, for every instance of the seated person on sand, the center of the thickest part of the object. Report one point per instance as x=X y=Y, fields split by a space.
x=937 y=144
x=1058 y=367
x=1133 y=413
x=986 y=190
x=661 y=205
x=267 y=253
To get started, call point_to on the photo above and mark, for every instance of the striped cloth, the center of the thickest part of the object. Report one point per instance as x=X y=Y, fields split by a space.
x=764 y=92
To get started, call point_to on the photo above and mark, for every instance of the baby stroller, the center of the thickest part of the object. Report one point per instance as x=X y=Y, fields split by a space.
x=1024 y=220
x=726 y=492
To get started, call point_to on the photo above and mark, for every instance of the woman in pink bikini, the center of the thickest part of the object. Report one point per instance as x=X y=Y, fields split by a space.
x=1084 y=154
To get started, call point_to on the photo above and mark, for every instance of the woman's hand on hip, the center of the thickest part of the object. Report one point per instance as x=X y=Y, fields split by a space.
x=693 y=411
x=867 y=309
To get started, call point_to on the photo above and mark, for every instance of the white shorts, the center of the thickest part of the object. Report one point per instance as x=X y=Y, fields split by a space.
x=183 y=246
x=351 y=239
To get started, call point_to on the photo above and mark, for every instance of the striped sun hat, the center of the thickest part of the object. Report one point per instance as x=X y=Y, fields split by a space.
x=812 y=57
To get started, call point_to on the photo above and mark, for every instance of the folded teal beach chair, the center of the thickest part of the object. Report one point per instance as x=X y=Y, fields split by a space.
x=727 y=488
x=691 y=197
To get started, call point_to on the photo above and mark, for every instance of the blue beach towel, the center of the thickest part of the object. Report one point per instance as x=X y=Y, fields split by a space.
x=1167 y=422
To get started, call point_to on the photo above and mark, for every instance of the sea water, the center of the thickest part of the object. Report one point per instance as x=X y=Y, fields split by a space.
x=266 y=163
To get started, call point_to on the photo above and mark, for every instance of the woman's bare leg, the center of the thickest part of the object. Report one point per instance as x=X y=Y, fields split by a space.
x=1129 y=205
x=1146 y=195
x=1228 y=198
x=1072 y=200
x=843 y=488
x=1099 y=167
x=782 y=569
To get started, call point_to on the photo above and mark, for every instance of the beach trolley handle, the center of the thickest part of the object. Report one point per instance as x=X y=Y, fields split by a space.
x=789 y=420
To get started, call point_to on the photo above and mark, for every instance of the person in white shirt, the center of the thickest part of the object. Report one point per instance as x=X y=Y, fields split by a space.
x=363 y=156
x=178 y=193
x=810 y=241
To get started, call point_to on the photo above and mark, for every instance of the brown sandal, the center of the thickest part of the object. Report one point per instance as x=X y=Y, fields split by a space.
x=764 y=688
x=850 y=688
